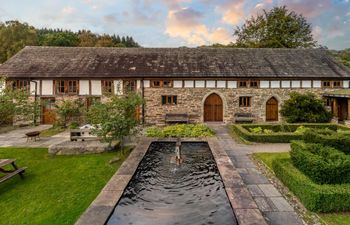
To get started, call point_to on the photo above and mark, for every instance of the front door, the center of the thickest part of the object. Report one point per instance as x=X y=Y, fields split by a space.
x=48 y=110
x=213 y=108
x=272 y=109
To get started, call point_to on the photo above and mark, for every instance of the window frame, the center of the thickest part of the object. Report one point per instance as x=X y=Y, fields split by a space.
x=162 y=84
x=245 y=101
x=20 y=85
x=127 y=88
x=107 y=89
x=169 y=100
x=68 y=87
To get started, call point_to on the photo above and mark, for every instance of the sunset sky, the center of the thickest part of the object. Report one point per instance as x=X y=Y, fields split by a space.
x=172 y=23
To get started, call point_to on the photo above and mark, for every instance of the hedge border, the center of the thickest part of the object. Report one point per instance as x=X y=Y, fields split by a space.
x=281 y=137
x=315 y=197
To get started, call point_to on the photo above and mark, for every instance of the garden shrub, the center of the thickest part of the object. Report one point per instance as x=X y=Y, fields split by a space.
x=180 y=130
x=323 y=164
x=340 y=140
x=305 y=108
x=315 y=197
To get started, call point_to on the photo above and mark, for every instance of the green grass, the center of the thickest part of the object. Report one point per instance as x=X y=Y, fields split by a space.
x=56 y=189
x=52 y=131
x=180 y=130
x=328 y=218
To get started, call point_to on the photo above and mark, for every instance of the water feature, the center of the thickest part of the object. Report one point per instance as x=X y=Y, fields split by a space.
x=184 y=191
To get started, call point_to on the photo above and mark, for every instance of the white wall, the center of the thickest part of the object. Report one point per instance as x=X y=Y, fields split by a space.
x=275 y=84
x=221 y=84
x=96 y=87
x=306 y=84
x=232 y=84
x=32 y=87
x=146 y=83
x=47 y=87
x=346 y=84
x=210 y=83
x=177 y=84
x=138 y=83
x=285 y=83
x=316 y=84
x=199 y=83
x=118 y=87
x=295 y=83
x=84 y=87
x=264 y=84
x=189 y=84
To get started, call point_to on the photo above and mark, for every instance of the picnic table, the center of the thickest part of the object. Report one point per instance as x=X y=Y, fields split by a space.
x=10 y=173
x=33 y=135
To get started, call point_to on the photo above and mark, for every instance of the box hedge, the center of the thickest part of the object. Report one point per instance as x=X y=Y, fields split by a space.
x=315 y=197
x=283 y=133
x=323 y=164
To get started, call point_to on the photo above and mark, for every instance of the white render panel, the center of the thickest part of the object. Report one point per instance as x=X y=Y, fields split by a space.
x=200 y=83
x=47 y=87
x=346 y=84
x=306 y=84
x=118 y=87
x=295 y=83
x=221 y=84
x=96 y=87
x=232 y=84
x=84 y=87
x=146 y=83
x=189 y=84
x=2 y=86
x=138 y=84
x=275 y=84
x=32 y=87
x=177 y=84
x=264 y=84
x=285 y=83
x=210 y=83
x=317 y=84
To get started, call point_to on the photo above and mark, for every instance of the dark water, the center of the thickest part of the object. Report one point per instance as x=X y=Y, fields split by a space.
x=164 y=193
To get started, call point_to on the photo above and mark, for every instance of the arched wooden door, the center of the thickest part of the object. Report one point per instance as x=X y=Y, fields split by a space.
x=213 y=108
x=272 y=109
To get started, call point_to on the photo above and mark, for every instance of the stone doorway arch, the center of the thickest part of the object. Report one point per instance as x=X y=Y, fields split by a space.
x=213 y=108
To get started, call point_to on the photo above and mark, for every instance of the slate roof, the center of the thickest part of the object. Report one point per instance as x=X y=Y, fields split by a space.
x=345 y=93
x=49 y=62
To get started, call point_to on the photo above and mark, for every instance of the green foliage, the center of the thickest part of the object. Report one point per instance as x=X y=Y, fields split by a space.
x=256 y=130
x=65 y=38
x=324 y=165
x=277 y=28
x=67 y=110
x=343 y=56
x=180 y=130
x=340 y=140
x=116 y=117
x=305 y=108
x=315 y=197
x=301 y=130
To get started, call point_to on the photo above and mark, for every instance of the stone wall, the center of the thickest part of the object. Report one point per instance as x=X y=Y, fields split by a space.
x=191 y=101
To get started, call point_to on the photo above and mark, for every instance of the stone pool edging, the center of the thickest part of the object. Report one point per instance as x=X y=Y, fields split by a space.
x=241 y=200
x=242 y=203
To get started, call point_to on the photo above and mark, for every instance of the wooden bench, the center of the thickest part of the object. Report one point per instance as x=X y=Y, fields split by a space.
x=177 y=118
x=82 y=134
x=10 y=173
x=33 y=135
x=244 y=118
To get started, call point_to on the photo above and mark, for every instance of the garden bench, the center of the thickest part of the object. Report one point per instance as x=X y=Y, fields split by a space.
x=10 y=173
x=33 y=135
x=244 y=118
x=176 y=118
x=82 y=134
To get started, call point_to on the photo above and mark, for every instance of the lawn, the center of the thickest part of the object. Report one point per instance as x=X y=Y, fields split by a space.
x=51 y=131
x=328 y=218
x=56 y=189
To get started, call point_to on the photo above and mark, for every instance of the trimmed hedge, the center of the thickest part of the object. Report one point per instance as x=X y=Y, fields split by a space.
x=315 y=197
x=323 y=164
x=283 y=133
x=180 y=130
x=340 y=141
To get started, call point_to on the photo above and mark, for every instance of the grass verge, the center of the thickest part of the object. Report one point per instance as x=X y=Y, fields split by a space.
x=52 y=131
x=56 y=189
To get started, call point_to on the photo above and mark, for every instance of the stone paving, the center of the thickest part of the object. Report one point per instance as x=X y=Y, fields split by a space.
x=17 y=138
x=273 y=206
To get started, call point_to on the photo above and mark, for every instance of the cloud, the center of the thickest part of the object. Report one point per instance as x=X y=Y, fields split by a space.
x=232 y=11
x=309 y=8
x=317 y=33
x=68 y=10
x=186 y=23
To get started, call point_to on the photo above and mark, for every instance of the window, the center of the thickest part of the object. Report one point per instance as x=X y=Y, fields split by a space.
x=130 y=86
x=326 y=84
x=245 y=101
x=169 y=100
x=328 y=101
x=161 y=83
x=242 y=84
x=337 y=84
x=107 y=86
x=67 y=87
x=254 y=84
x=20 y=84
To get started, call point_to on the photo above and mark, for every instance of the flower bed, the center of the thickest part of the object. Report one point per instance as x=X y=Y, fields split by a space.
x=180 y=130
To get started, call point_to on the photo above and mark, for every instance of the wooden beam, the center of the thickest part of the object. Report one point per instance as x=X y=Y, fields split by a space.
x=349 y=109
x=335 y=108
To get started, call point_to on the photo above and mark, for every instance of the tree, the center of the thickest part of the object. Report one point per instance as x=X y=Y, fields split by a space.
x=66 y=38
x=300 y=108
x=116 y=118
x=277 y=28
x=69 y=109
x=104 y=41
x=87 y=39
x=14 y=36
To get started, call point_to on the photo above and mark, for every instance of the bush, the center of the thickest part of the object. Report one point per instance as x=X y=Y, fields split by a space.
x=323 y=164
x=305 y=108
x=340 y=141
x=180 y=130
x=315 y=197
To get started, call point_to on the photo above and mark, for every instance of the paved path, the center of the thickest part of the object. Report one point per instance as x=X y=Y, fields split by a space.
x=274 y=207
x=17 y=138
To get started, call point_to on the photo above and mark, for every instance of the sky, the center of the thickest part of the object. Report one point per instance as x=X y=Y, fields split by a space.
x=174 y=23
